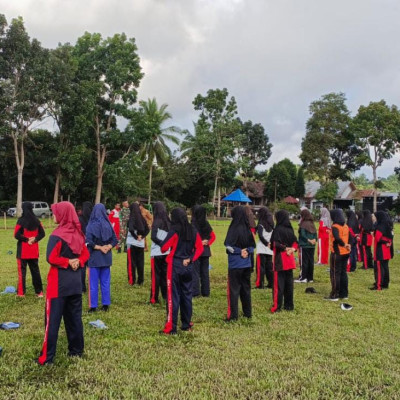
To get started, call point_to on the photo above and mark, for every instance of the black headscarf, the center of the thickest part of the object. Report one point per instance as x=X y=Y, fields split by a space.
x=136 y=221
x=383 y=224
x=367 y=223
x=181 y=225
x=199 y=221
x=307 y=221
x=87 y=208
x=28 y=220
x=352 y=221
x=161 y=219
x=266 y=219
x=239 y=233
x=250 y=216
x=337 y=217
x=283 y=232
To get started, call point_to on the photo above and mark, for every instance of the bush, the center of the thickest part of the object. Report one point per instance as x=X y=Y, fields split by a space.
x=6 y=204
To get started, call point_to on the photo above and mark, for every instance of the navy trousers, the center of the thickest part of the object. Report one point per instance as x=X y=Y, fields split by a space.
x=201 y=277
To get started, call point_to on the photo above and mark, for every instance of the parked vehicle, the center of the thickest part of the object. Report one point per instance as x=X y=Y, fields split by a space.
x=12 y=211
x=40 y=209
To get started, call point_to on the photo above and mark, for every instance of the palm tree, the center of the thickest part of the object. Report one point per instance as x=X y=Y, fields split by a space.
x=155 y=147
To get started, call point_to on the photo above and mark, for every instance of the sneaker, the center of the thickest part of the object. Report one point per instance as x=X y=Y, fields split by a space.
x=172 y=333
x=39 y=295
x=92 y=310
x=105 y=308
x=300 y=280
x=330 y=298
x=311 y=281
x=21 y=296
x=344 y=298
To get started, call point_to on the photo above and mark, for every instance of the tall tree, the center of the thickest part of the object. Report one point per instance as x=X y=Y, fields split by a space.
x=253 y=149
x=109 y=73
x=218 y=121
x=23 y=89
x=281 y=180
x=150 y=124
x=300 y=188
x=328 y=150
x=377 y=130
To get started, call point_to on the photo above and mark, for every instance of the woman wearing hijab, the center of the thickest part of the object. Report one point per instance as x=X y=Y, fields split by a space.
x=240 y=244
x=28 y=231
x=352 y=223
x=359 y=215
x=382 y=250
x=160 y=228
x=185 y=247
x=264 y=251
x=100 y=239
x=367 y=229
x=201 y=273
x=66 y=254
x=137 y=232
x=285 y=244
x=307 y=241
x=323 y=236
x=340 y=251
x=84 y=217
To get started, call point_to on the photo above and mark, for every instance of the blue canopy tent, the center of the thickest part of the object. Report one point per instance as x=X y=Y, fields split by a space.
x=237 y=196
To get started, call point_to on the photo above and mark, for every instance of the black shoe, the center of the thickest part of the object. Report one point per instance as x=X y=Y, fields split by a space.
x=331 y=298
x=373 y=288
x=92 y=310
x=105 y=308
x=289 y=308
x=75 y=355
x=227 y=320
x=172 y=333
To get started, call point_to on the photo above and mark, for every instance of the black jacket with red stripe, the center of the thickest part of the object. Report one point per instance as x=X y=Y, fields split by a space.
x=24 y=250
x=62 y=280
x=382 y=250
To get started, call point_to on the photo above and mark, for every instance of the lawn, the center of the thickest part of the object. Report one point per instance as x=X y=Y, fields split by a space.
x=317 y=351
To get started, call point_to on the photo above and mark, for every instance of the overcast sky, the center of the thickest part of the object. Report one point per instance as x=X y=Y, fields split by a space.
x=274 y=56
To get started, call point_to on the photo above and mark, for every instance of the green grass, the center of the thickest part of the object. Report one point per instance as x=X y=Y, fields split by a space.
x=316 y=352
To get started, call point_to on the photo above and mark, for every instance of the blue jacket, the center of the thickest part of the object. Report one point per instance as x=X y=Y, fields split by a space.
x=97 y=258
x=236 y=261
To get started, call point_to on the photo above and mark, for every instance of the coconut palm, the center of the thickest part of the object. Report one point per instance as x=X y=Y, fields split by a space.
x=154 y=147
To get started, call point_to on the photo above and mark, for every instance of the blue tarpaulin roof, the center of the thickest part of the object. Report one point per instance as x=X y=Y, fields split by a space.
x=237 y=195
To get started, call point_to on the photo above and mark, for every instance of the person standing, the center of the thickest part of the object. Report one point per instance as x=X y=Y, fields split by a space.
x=352 y=223
x=367 y=228
x=66 y=254
x=146 y=214
x=323 y=236
x=185 y=247
x=307 y=241
x=240 y=244
x=285 y=244
x=28 y=231
x=114 y=220
x=201 y=271
x=123 y=223
x=382 y=250
x=359 y=215
x=138 y=230
x=264 y=249
x=160 y=228
x=84 y=217
x=340 y=251
x=100 y=239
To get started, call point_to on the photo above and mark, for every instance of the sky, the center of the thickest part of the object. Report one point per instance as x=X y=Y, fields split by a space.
x=274 y=56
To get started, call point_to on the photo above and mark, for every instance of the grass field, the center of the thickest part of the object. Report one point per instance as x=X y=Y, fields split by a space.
x=316 y=352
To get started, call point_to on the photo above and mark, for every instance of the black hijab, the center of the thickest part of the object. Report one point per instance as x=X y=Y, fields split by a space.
x=383 y=224
x=307 y=221
x=87 y=208
x=199 y=221
x=161 y=219
x=239 y=233
x=367 y=223
x=283 y=232
x=352 y=221
x=250 y=216
x=266 y=219
x=28 y=219
x=337 y=217
x=181 y=225
x=136 y=221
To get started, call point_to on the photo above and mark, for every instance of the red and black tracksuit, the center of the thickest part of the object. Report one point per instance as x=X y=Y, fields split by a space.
x=63 y=299
x=339 y=257
x=366 y=244
x=382 y=255
x=28 y=254
x=283 y=267
x=179 y=279
x=201 y=272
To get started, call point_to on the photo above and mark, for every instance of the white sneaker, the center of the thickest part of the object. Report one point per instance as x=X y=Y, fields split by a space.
x=301 y=280
x=310 y=281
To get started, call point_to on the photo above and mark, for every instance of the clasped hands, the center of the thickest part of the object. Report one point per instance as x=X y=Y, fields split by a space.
x=74 y=263
x=104 y=249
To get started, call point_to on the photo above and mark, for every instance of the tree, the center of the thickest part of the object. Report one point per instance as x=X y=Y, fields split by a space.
x=150 y=123
x=253 y=149
x=109 y=75
x=217 y=121
x=23 y=89
x=327 y=192
x=328 y=151
x=281 y=181
x=377 y=131
x=362 y=182
x=300 y=188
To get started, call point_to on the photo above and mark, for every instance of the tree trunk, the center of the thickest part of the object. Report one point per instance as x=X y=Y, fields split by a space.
x=99 y=188
x=219 y=202
x=19 y=153
x=375 y=192
x=150 y=182
x=19 y=192
x=57 y=187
